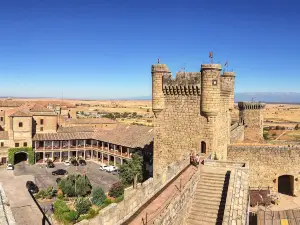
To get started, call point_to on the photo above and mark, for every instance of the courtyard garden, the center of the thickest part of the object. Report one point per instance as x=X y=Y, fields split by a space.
x=76 y=199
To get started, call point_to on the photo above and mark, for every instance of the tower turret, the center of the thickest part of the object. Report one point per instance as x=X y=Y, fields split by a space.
x=210 y=89
x=251 y=115
x=228 y=80
x=158 y=101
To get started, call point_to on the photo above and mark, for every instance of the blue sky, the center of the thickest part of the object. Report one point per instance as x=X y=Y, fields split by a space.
x=104 y=49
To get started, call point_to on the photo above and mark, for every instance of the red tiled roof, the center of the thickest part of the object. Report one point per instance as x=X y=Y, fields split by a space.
x=75 y=129
x=132 y=136
x=39 y=108
x=11 y=103
x=91 y=121
x=20 y=113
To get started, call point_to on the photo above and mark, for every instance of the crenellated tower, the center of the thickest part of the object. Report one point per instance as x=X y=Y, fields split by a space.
x=210 y=89
x=227 y=87
x=191 y=114
x=158 y=71
x=251 y=116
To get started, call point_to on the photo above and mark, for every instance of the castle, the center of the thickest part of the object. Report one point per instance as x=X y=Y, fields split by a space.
x=193 y=114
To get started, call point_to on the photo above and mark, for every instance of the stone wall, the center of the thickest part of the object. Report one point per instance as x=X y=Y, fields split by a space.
x=49 y=124
x=236 y=133
x=118 y=213
x=178 y=207
x=251 y=115
x=189 y=109
x=268 y=162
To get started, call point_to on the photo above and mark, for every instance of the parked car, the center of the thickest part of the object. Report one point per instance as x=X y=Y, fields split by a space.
x=50 y=164
x=59 y=172
x=116 y=172
x=32 y=187
x=67 y=163
x=10 y=167
x=82 y=162
x=111 y=169
x=103 y=167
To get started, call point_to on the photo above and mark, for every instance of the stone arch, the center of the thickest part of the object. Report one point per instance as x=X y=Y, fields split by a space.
x=20 y=156
x=203 y=147
x=286 y=184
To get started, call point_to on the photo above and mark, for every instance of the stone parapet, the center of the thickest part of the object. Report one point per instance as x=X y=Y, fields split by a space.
x=118 y=213
x=251 y=105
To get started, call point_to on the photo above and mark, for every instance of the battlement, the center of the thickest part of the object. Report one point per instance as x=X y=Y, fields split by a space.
x=160 y=68
x=251 y=105
x=211 y=67
x=185 y=83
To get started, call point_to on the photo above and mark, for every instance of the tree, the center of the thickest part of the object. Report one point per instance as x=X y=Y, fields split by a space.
x=132 y=171
x=297 y=127
x=82 y=205
x=116 y=190
x=81 y=187
x=98 y=196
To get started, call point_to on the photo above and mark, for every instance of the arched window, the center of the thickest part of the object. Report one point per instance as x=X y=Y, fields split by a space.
x=203 y=147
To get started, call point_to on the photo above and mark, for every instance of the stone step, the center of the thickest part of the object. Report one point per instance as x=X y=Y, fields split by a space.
x=216 y=191
x=201 y=218
x=208 y=206
x=212 y=176
x=211 y=186
x=203 y=194
x=211 y=198
x=216 y=209
x=212 y=180
x=207 y=214
x=208 y=202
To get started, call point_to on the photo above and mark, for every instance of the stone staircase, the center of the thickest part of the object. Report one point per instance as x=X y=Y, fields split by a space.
x=209 y=200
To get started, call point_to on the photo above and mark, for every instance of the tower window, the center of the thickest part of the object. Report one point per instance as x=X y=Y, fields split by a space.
x=1 y=118
x=25 y=144
x=41 y=128
x=16 y=145
x=20 y=124
x=42 y=121
x=2 y=144
x=214 y=82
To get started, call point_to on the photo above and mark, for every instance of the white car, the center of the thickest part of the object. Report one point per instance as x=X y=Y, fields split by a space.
x=111 y=169
x=103 y=167
x=10 y=167
x=67 y=163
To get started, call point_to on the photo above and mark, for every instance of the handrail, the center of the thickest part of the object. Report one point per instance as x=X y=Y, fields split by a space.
x=167 y=203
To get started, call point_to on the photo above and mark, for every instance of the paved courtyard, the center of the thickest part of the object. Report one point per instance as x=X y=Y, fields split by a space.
x=22 y=205
x=44 y=178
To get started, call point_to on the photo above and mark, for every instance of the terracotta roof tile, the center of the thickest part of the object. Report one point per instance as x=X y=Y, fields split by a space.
x=75 y=129
x=91 y=121
x=39 y=108
x=11 y=103
x=20 y=113
x=132 y=136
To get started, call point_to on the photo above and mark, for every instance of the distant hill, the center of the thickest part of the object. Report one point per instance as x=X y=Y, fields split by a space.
x=269 y=97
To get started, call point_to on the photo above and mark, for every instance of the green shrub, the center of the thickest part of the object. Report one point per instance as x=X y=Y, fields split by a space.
x=116 y=190
x=83 y=185
x=119 y=199
x=45 y=193
x=106 y=203
x=98 y=196
x=60 y=206
x=82 y=205
x=70 y=216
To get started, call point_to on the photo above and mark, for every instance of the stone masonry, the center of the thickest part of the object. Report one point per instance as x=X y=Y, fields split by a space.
x=251 y=115
x=267 y=163
x=191 y=109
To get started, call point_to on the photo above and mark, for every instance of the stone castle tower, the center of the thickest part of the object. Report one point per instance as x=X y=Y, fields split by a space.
x=251 y=116
x=192 y=113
